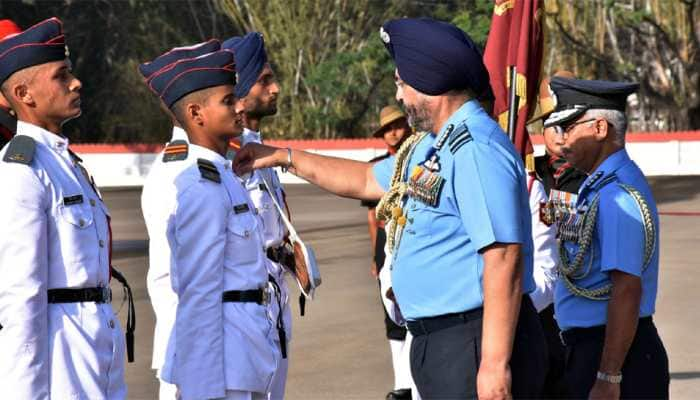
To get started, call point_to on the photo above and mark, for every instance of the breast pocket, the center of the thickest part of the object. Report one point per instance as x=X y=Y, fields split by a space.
x=243 y=244
x=420 y=221
x=76 y=231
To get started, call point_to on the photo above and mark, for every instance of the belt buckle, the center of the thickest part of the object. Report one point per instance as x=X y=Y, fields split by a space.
x=266 y=297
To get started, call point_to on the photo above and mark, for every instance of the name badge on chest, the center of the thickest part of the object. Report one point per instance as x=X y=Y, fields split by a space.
x=241 y=208
x=71 y=200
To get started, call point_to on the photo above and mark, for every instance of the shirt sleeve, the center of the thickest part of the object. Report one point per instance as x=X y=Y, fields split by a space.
x=621 y=232
x=490 y=194
x=200 y=235
x=546 y=256
x=383 y=170
x=24 y=363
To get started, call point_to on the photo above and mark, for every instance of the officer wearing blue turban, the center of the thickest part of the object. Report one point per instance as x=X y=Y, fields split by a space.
x=458 y=216
x=609 y=246
x=258 y=88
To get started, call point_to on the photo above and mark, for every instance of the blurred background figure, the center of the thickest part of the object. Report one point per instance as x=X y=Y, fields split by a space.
x=394 y=129
x=8 y=118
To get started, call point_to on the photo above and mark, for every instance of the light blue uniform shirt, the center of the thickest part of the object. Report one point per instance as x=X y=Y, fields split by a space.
x=618 y=243
x=437 y=267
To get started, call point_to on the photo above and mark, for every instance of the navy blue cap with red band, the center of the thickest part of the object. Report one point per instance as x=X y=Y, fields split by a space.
x=38 y=44
x=175 y=81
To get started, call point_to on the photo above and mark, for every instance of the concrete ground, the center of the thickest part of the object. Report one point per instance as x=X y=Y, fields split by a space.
x=339 y=350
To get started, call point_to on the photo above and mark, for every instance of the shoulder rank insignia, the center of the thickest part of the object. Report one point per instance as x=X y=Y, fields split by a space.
x=208 y=170
x=20 y=150
x=460 y=139
x=175 y=151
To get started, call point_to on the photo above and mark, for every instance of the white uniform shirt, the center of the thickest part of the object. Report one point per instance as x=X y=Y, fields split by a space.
x=216 y=246
x=274 y=230
x=58 y=351
x=545 y=254
x=158 y=186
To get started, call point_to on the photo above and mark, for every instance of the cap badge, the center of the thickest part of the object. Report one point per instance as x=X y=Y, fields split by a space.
x=384 y=35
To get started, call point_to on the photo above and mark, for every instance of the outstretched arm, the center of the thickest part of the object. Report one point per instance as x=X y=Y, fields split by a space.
x=343 y=177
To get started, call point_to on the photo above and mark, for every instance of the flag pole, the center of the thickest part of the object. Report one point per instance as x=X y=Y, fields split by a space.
x=513 y=101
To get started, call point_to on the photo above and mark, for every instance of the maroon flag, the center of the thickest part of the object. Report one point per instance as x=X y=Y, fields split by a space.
x=515 y=42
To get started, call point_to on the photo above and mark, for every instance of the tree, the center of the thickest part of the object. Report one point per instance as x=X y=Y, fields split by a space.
x=653 y=42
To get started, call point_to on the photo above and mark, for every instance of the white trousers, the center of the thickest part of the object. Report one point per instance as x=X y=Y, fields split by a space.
x=167 y=391
x=401 y=358
x=279 y=381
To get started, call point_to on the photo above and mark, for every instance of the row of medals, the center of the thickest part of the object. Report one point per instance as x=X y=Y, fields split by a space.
x=561 y=208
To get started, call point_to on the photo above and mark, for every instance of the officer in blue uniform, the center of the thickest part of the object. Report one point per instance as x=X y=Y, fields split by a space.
x=459 y=220
x=609 y=241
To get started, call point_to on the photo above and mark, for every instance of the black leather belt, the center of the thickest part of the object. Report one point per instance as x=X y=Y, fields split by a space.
x=574 y=335
x=424 y=326
x=260 y=296
x=93 y=295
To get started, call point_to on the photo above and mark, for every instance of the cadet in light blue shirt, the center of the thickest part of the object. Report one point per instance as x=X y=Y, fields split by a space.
x=459 y=220
x=609 y=246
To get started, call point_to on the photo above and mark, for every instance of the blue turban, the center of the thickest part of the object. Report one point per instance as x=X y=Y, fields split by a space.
x=435 y=57
x=250 y=55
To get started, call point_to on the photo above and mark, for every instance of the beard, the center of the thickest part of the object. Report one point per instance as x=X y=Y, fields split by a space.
x=260 y=109
x=419 y=117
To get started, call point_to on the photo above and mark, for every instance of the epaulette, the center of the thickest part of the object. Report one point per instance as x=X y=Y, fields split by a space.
x=20 y=150
x=459 y=139
x=595 y=182
x=208 y=170
x=176 y=150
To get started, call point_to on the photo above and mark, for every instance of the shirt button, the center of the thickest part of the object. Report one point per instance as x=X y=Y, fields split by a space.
x=92 y=202
x=111 y=323
x=246 y=233
x=81 y=222
x=102 y=243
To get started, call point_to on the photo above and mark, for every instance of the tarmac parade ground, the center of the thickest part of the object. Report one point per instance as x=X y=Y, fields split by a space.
x=339 y=350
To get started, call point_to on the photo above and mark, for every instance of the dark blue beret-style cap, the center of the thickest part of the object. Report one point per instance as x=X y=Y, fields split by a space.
x=39 y=44
x=576 y=96
x=178 y=53
x=435 y=57
x=250 y=56
x=183 y=77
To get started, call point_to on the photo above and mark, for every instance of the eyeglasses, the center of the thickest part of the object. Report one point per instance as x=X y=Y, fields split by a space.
x=569 y=128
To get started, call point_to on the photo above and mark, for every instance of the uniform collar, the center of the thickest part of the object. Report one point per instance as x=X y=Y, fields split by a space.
x=256 y=135
x=608 y=167
x=179 y=134
x=202 y=152
x=57 y=143
x=466 y=110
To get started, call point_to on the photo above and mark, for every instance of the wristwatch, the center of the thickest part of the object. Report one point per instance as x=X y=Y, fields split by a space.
x=286 y=167
x=610 y=378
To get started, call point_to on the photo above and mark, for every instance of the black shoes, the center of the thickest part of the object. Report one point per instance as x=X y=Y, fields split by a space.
x=399 y=394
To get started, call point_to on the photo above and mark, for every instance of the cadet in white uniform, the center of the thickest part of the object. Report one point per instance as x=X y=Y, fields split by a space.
x=159 y=182
x=258 y=88
x=60 y=338
x=221 y=342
